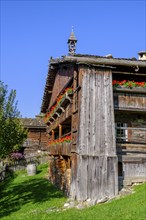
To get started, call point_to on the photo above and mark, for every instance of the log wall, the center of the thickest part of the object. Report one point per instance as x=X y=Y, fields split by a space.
x=36 y=140
x=134 y=170
x=94 y=167
x=131 y=151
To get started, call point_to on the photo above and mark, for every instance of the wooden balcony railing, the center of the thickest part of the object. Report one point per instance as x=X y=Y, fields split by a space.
x=59 y=108
x=130 y=99
x=131 y=135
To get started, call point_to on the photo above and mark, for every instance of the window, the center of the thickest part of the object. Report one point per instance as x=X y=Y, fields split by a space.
x=121 y=132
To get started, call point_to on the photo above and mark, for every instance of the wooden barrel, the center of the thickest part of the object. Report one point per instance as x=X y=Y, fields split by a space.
x=31 y=169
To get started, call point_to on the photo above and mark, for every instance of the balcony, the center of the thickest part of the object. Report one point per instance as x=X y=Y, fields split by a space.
x=60 y=149
x=130 y=99
x=60 y=106
x=61 y=146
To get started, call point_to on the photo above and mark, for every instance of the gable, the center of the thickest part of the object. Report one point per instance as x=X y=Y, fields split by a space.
x=63 y=76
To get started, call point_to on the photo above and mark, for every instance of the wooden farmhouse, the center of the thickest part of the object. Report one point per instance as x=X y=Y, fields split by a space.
x=37 y=138
x=95 y=111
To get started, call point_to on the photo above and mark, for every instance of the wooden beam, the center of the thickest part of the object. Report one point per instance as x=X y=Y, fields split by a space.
x=63 y=110
x=60 y=131
x=53 y=135
x=99 y=60
x=57 y=114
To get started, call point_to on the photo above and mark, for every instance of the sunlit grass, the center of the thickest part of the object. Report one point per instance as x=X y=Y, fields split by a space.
x=34 y=198
x=24 y=197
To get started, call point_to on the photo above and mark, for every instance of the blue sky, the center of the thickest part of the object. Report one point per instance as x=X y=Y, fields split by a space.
x=33 y=31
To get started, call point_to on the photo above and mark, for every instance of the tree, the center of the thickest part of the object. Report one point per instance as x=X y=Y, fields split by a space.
x=12 y=132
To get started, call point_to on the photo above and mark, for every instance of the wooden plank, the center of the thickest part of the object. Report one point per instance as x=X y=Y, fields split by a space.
x=75 y=110
x=112 y=182
x=109 y=123
x=86 y=150
x=93 y=178
x=73 y=185
x=135 y=169
x=102 y=177
x=81 y=190
x=98 y=124
x=82 y=125
x=131 y=101
x=91 y=133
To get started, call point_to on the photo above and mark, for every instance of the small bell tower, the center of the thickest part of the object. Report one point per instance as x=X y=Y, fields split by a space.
x=72 y=43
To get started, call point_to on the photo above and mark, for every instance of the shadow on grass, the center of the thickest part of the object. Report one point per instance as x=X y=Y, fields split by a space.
x=10 y=175
x=14 y=196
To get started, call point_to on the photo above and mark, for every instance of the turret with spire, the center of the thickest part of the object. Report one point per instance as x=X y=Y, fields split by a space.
x=72 y=43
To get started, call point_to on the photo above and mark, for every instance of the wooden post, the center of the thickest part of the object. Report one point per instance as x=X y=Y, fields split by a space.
x=53 y=135
x=60 y=131
x=75 y=115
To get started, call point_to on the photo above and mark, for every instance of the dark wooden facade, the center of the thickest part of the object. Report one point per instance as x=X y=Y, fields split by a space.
x=37 y=137
x=97 y=133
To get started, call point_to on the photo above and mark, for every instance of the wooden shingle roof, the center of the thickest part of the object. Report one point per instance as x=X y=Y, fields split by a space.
x=33 y=122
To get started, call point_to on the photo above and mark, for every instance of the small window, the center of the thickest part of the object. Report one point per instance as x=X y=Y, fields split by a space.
x=121 y=132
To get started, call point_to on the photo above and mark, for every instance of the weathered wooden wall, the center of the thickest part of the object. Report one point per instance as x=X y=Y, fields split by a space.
x=128 y=100
x=134 y=170
x=37 y=140
x=62 y=77
x=131 y=151
x=94 y=167
x=60 y=149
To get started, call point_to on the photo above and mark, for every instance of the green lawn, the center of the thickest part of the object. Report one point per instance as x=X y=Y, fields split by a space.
x=34 y=198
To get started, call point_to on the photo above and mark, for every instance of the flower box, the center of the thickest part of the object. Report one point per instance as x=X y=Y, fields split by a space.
x=66 y=139
x=130 y=90
x=129 y=86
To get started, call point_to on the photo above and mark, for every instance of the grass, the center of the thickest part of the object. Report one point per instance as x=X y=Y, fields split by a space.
x=34 y=198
